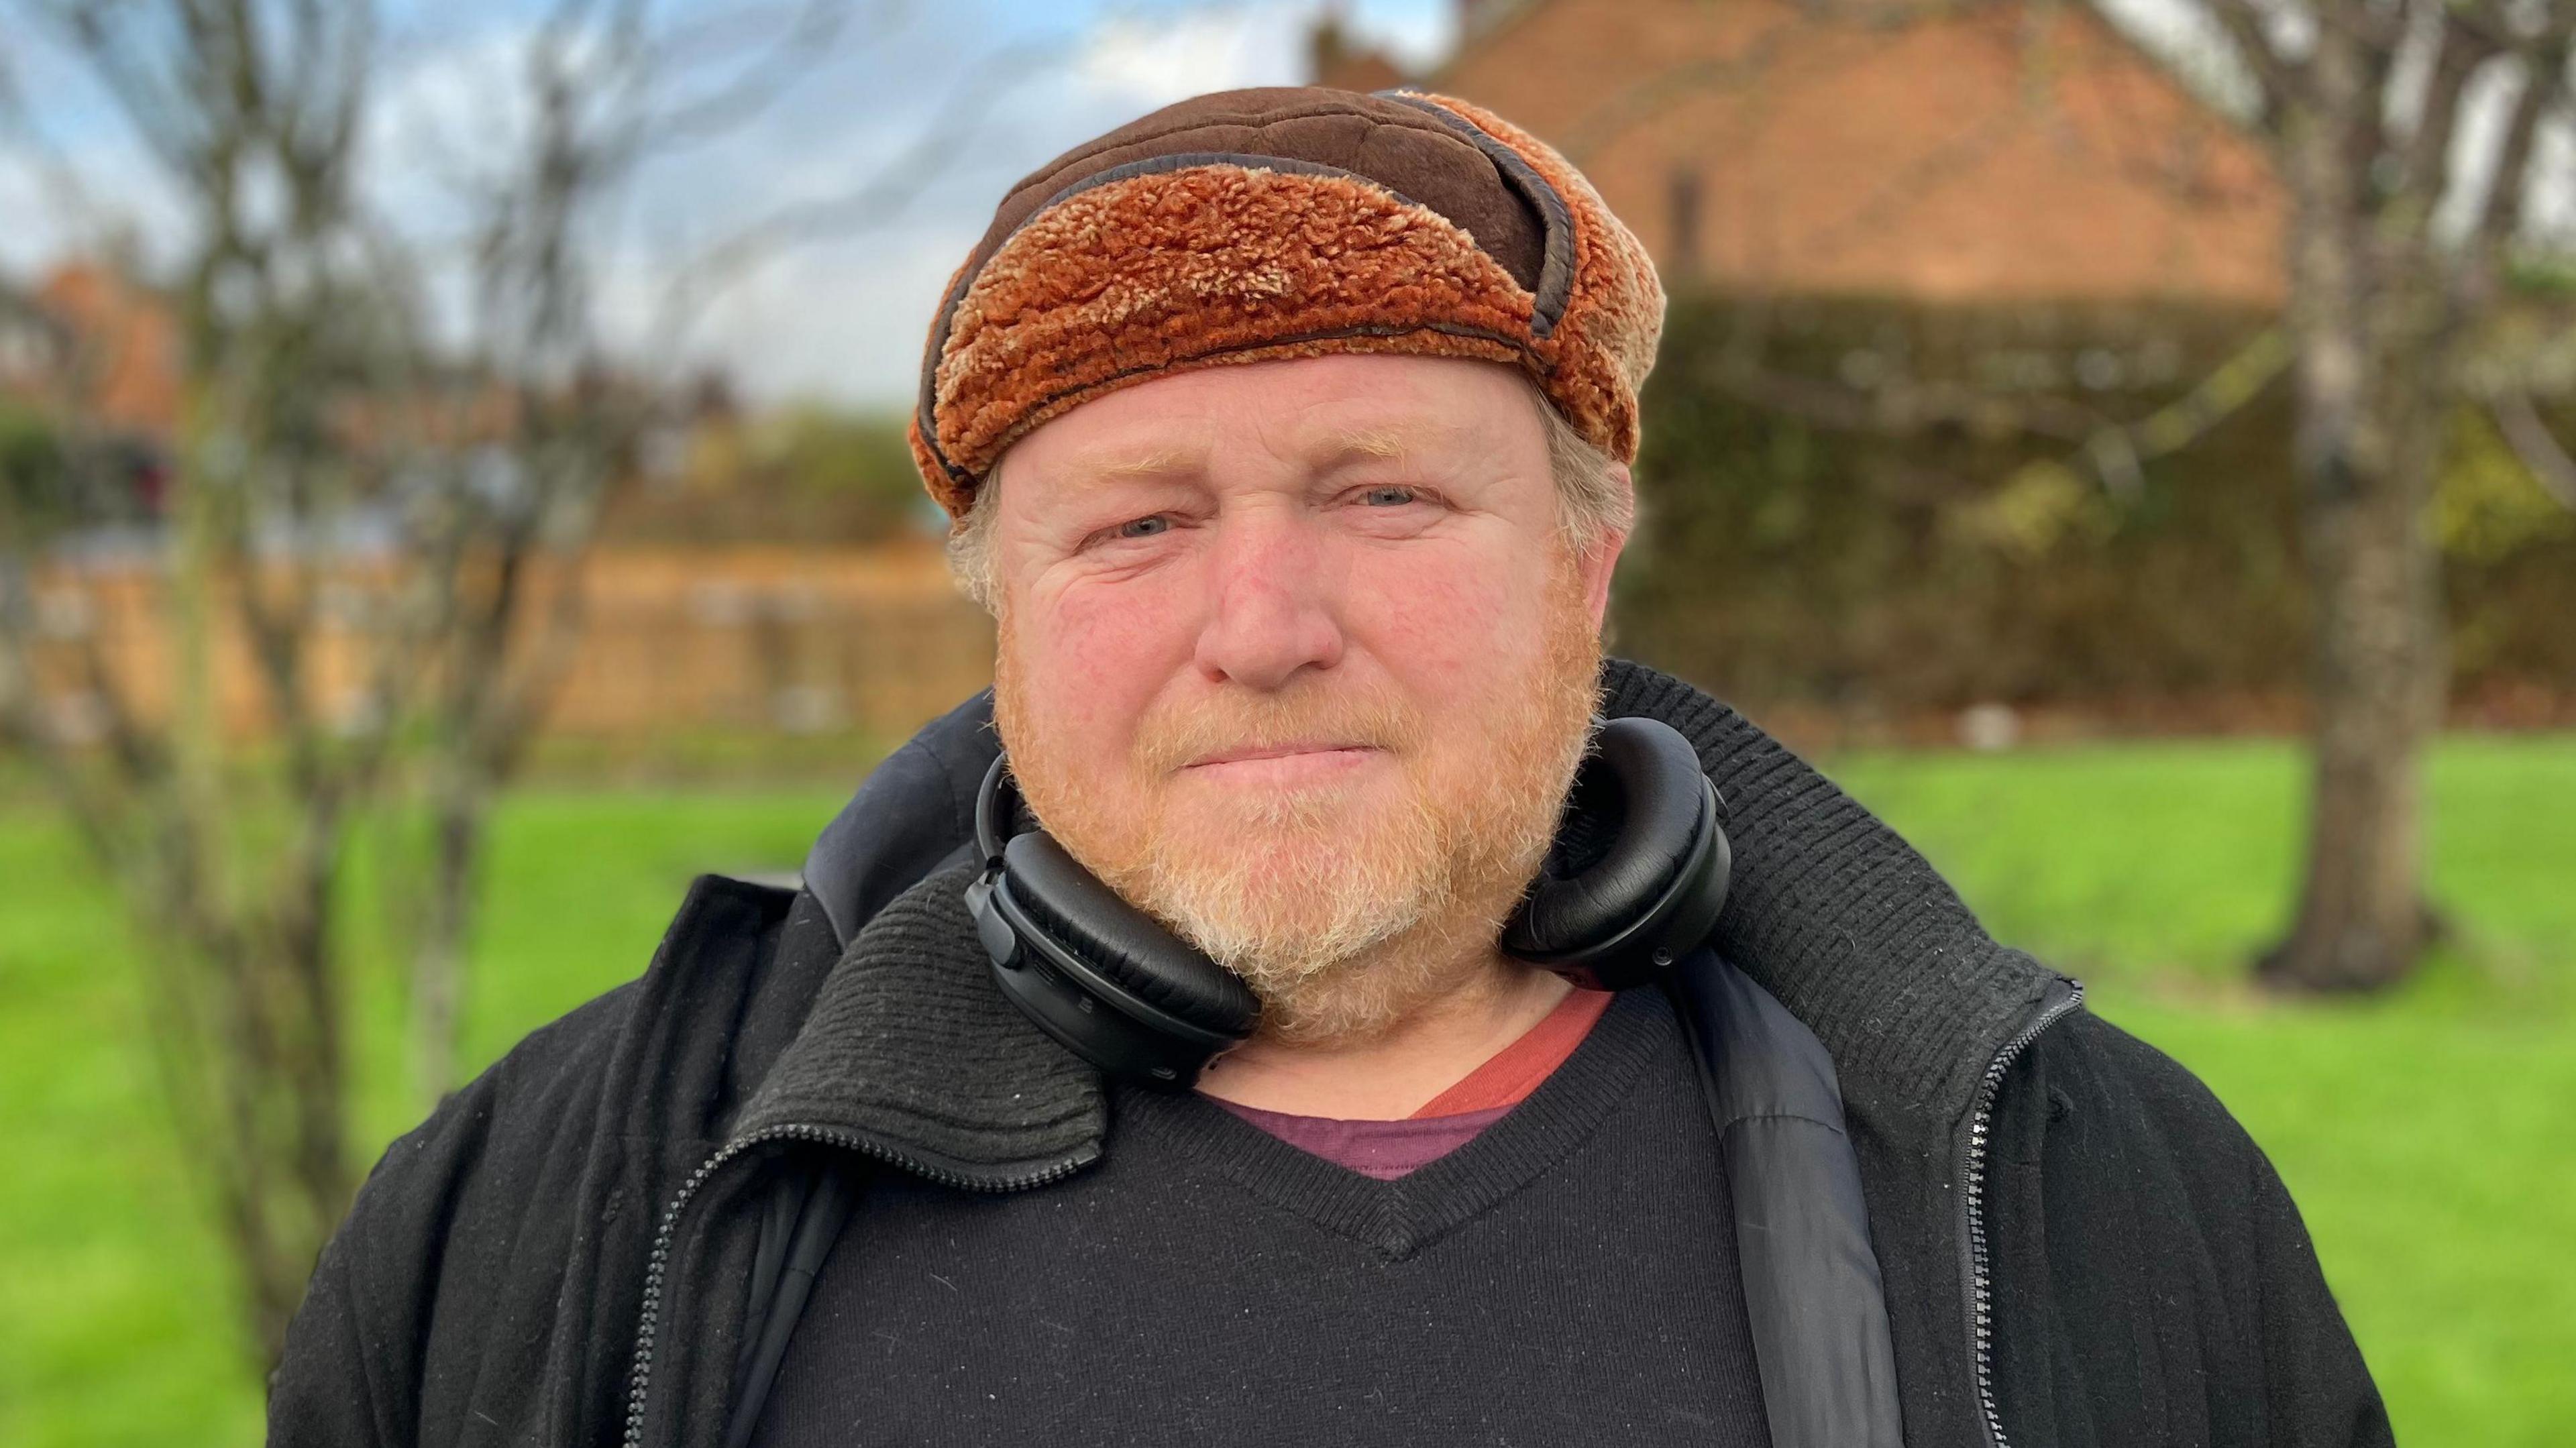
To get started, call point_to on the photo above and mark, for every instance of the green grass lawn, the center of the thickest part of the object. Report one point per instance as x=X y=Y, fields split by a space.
x=2430 y=1138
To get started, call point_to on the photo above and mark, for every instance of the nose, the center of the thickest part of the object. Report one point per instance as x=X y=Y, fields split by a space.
x=1271 y=613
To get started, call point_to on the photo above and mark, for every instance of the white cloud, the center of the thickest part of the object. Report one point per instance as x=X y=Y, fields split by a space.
x=1153 y=62
x=1417 y=34
x=842 y=322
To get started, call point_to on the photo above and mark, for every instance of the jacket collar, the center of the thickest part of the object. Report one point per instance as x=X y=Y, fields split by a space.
x=1842 y=921
x=910 y=1052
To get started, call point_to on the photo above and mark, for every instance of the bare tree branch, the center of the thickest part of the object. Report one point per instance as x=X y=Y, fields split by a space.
x=2539 y=451
x=1904 y=406
x=877 y=201
x=2119 y=452
x=726 y=105
x=2279 y=81
x=2462 y=50
x=2498 y=219
x=1642 y=101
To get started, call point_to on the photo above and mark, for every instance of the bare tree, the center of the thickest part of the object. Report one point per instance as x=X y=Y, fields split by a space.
x=2408 y=134
x=375 y=517
x=2411 y=137
x=525 y=505
x=535 y=427
x=229 y=857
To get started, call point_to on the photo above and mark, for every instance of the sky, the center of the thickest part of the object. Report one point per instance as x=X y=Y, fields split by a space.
x=837 y=316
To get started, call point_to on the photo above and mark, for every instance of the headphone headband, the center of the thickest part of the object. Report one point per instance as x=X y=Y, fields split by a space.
x=997 y=807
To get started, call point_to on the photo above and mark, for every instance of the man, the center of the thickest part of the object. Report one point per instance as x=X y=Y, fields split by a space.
x=1286 y=436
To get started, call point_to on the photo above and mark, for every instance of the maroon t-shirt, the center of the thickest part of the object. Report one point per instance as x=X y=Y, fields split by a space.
x=1381 y=1149
x=1386 y=1150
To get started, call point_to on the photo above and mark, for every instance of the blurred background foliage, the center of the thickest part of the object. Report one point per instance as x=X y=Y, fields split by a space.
x=1872 y=582
x=809 y=474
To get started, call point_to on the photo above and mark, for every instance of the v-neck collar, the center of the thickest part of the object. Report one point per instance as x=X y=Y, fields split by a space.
x=1401 y=1217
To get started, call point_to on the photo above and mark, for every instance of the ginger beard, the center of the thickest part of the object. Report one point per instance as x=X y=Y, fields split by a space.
x=1348 y=903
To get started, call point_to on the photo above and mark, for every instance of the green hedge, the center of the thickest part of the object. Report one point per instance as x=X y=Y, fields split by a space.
x=1802 y=557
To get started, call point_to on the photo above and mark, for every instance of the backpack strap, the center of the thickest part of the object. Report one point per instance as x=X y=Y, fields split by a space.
x=1812 y=1291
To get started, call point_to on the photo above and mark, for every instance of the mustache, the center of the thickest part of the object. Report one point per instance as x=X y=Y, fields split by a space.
x=1167 y=740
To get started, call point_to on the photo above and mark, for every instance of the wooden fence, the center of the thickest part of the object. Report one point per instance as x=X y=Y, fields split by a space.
x=736 y=639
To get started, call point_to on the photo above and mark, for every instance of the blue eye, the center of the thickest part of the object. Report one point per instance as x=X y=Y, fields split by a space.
x=1389 y=496
x=1145 y=527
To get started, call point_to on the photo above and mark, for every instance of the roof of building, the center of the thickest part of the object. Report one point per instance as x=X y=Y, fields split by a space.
x=1987 y=153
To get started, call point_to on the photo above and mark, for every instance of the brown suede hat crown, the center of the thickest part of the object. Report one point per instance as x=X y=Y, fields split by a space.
x=1253 y=225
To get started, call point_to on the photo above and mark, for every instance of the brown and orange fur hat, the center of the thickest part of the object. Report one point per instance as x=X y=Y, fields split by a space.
x=1258 y=224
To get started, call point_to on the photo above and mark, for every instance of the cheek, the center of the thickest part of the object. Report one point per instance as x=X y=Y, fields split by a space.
x=1454 y=625
x=1094 y=660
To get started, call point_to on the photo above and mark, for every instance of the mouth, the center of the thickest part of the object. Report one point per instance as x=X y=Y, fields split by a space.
x=1283 y=763
x=1279 y=751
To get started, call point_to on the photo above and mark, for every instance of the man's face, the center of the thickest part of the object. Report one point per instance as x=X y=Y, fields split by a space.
x=1295 y=655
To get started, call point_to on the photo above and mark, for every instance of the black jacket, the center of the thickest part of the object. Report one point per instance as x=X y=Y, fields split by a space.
x=2079 y=1246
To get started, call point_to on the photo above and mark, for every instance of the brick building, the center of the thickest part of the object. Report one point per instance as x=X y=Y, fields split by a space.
x=87 y=331
x=1996 y=153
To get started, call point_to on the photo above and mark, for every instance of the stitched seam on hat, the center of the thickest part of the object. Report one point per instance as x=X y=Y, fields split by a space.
x=1556 y=269
x=927 y=409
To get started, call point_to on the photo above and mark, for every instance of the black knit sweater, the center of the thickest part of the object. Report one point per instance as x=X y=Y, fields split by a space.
x=1549 y=1282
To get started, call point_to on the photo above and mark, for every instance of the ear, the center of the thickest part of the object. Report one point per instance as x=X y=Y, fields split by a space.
x=1600 y=559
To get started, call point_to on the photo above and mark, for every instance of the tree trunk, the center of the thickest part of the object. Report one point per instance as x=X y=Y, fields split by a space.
x=457 y=815
x=307 y=1083
x=2372 y=333
x=274 y=1146
x=2362 y=918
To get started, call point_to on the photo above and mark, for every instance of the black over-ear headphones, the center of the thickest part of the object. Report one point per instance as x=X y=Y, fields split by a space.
x=1636 y=877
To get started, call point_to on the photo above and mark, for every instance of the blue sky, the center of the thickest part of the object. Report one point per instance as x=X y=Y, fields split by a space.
x=839 y=317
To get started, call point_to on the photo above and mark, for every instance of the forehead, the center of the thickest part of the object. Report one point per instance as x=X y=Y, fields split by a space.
x=1313 y=411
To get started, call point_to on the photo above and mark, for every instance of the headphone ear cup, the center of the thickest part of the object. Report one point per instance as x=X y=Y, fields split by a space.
x=1657 y=891
x=1129 y=949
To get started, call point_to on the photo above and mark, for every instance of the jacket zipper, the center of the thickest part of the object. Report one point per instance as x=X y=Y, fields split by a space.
x=1973 y=1177
x=640 y=1373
